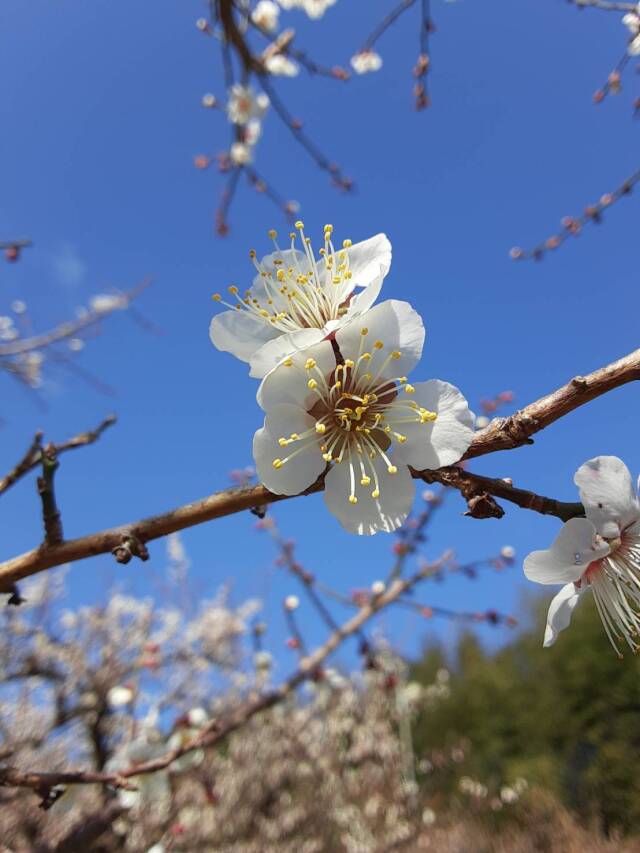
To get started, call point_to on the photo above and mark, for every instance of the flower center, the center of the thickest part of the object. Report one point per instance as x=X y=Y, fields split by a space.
x=359 y=413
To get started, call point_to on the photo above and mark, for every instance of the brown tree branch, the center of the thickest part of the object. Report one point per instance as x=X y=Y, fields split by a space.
x=33 y=456
x=216 y=730
x=51 y=518
x=71 y=327
x=501 y=434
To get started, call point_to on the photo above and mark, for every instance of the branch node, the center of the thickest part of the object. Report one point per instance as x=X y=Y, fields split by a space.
x=130 y=546
x=483 y=506
x=580 y=383
x=50 y=512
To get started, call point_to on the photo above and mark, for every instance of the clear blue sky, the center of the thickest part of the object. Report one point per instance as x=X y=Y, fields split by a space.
x=100 y=115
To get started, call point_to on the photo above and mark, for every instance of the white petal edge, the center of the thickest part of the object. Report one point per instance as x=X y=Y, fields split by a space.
x=560 y=612
x=369 y=515
x=300 y=472
x=239 y=333
x=289 y=384
x=607 y=492
x=568 y=557
x=394 y=323
x=443 y=441
x=274 y=351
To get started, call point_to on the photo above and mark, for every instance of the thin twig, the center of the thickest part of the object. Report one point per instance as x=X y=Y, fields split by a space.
x=32 y=457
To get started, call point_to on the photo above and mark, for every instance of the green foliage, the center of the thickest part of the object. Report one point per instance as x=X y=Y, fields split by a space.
x=566 y=718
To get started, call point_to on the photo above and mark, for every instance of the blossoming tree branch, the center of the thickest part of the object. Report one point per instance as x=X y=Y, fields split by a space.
x=342 y=418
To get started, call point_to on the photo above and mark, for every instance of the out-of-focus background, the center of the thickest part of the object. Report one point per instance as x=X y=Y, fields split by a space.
x=101 y=115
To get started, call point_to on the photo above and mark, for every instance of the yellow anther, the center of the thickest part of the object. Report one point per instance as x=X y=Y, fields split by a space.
x=283 y=442
x=322 y=252
x=366 y=356
x=378 y=345
x=328 y=229
x=387 y=429
x=288 y=362
x=264 y=313
x=368 y=376
x=252 y=253
x=364 y=331
x=294 y=436
x=337 y=385
x=281 y=275
x=216 y=297
x=346 y=244
x=349 y=363
x=409 y=388
x=348 y=274
x=233 y=290
x=278 y=463
x=375 y=493
x=392 y=469
x=307 y=240
x=272 y=234
x=365 y=481
x=299 y=225
x=321 y=428
x=401 y=438
x=327 y=457
x=353 y=499
x=336 y=279
x=312 y=384
x=309 y=364
x=396 y=355
x=292 y=234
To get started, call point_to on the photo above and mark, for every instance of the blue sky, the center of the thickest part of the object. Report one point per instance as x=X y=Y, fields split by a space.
x=101 y=118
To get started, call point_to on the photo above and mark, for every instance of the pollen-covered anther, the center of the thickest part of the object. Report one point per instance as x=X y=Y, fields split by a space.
x=309 y=364
x=375 y=493
x=320 y=428
x=216 y=297
x=353 y=499
x=312 y=384
x=378 y=345
x=392 y=469
x=365 y=481
x=278 y=463
x=409 y=388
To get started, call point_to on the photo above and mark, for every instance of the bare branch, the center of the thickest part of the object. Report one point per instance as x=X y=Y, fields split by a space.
x=33 y=456
x=501 y=434
x=46 y=489
x=71 y=327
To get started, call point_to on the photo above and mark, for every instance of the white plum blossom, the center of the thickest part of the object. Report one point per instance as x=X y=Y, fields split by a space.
x=291 y=602
x=297 y=300
x=314 y=8
x=266 y=15
x=244 y=105
x=366 y=61
x=119 y=696
x=632 y=22
x=240 y=154
x=209 y=101
x=347 y=404
x=600 y=552
x=252 y=131
x=281 y=66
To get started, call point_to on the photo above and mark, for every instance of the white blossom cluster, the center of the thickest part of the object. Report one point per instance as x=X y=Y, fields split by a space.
x=334 y=380
x=110 y=686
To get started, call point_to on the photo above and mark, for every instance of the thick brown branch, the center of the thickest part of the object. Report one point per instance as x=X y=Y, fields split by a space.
x=475 y=486
x=516 y=430
x=501 y=434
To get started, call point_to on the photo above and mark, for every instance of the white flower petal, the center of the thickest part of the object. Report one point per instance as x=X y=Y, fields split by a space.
x=606 y=490
x=272 y=353
x=569 y=556
x=560 y=611
x=369 y=515
x=362 y=301
x=239 y=333
x=289 y=384
x=394 y=323
x=440 y=442
x=295 y=475
x=368 y=259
